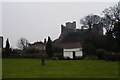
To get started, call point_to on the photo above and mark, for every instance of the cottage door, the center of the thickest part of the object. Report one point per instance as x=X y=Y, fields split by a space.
x=73 y=54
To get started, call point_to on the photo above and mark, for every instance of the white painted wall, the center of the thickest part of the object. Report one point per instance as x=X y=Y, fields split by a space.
x=73 y=49
x=78 y=53
x=69 y=52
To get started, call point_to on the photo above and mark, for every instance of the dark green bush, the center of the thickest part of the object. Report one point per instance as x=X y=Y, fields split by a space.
x=32 y=50
x=91 y=57
x=101 y=53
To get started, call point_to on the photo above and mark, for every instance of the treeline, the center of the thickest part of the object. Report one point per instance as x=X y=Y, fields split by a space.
x=25 y=52
x=106 y=46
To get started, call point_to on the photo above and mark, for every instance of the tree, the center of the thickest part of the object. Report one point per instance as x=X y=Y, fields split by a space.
x=116 y=34
x=45 y=41
x=112 y=13
x=111 y=23
x=89 y=49
x=49 y=48
x=7 y=44
x=32 y=50
x=8 y=50
x=111 y=16
x=89 y=20
x=22 y=44
x=101 y=53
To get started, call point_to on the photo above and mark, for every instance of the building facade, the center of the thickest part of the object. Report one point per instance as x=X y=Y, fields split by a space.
x=37 y=45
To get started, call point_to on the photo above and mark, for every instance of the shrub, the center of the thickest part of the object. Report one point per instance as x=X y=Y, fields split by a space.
x=54 y=58
x=32 y=50
x=101 y=53
x=58 y=55
x=91 y=57
x=89 y=49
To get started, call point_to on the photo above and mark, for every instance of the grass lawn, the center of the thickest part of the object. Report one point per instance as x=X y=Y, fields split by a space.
x=31 y=68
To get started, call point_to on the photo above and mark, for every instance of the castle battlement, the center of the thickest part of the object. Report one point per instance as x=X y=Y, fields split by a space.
x=97 y=29
x=70 y=27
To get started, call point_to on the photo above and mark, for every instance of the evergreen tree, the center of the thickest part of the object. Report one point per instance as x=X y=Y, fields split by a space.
x=45 y=41
x=7 y=49
x=7 y=44
x=49 y=48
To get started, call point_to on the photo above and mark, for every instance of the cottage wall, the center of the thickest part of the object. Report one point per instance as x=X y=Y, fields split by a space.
x=79 y=53
x=69 y=52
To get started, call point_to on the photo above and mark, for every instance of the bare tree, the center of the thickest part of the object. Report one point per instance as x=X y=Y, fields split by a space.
x=111 y=16
x=89 y=20
x=22 y=44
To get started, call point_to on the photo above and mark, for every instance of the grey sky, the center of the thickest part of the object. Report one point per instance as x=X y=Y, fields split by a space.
x=0 y=18
x=37 y=20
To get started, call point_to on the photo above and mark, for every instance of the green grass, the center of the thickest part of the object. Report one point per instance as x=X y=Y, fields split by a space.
x=31 y=68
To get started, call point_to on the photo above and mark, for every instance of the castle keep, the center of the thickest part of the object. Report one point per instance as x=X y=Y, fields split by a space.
x=70 y=28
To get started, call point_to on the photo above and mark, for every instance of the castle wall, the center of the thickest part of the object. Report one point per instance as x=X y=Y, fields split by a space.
x=79 y=33
x=70 y=27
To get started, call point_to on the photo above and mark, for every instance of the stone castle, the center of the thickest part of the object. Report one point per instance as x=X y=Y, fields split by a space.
x=70 y=27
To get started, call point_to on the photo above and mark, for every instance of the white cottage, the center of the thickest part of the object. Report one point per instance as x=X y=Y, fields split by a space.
x=73 y=53
x=71 y=50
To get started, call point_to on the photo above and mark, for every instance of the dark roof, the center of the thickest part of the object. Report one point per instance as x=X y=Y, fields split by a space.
x=37 y=43
x=69 y=45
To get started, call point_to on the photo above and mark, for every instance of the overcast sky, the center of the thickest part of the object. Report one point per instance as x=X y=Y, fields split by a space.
x=38 y=20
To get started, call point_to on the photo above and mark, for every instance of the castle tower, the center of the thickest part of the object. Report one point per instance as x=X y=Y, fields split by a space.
x=70 y=27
